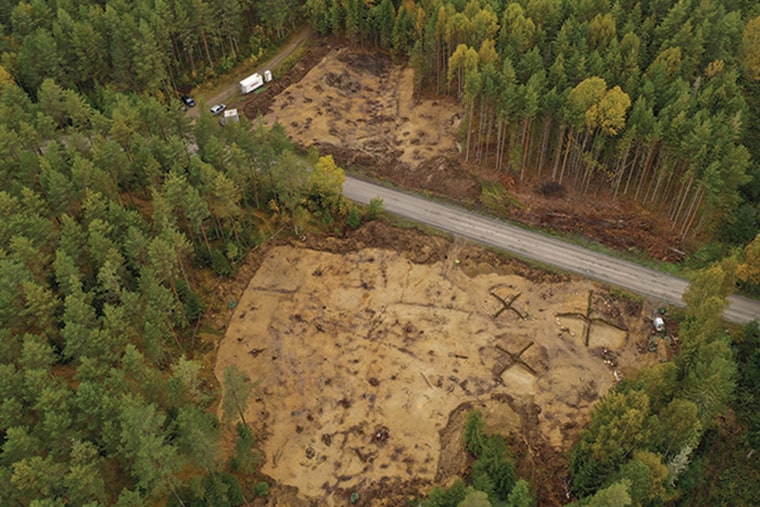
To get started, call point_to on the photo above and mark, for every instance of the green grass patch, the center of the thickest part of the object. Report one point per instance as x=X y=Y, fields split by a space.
x=283 y=67
x=495 y=198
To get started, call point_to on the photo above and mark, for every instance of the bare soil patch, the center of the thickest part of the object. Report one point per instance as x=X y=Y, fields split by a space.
x=360 y=107
x=369 y=355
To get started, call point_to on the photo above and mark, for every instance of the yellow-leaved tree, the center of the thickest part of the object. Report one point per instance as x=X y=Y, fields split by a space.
x=5 y=78
x=325 y=181
x=612 y=110
x=749 y=270
x=582 y=102
x=750 y=49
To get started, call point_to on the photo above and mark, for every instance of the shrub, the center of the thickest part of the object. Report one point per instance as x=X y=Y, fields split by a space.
x=262 y=488
x=708 y=254
x=473 y=433
x=245 y=459
x=203 y=256
x=440 y=497
x=219 y=263
x=494 y=197
x=375 y=208
x=494 y=472
x=219 y=489
x=497 y=467
x=353 y=219
x=550 y=189
x=192 y=302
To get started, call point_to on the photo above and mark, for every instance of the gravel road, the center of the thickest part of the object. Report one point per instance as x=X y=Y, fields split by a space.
x=652 y=284
x=233 y=88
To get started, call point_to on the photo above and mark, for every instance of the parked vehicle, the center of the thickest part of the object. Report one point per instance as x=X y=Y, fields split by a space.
x=229 y=116
x=189 y=102
x=218 y=108
x=250 y=83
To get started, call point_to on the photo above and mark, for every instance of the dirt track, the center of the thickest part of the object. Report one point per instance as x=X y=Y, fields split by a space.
x=227 y=92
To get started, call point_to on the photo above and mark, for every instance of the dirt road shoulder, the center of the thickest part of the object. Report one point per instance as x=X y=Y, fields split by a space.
x=225 y=93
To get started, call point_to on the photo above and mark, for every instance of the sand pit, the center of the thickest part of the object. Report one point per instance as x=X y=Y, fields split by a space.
x=367 y=363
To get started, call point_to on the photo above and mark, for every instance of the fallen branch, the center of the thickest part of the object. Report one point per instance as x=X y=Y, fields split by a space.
x=426 y=380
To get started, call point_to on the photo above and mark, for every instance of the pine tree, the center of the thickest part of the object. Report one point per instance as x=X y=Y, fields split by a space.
x=521 y=495
x=237 y=390
x=750 y=54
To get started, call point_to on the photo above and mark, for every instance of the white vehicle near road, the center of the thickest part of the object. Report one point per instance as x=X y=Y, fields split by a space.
x=251 y=83
x=254 y=81
x=217 y=109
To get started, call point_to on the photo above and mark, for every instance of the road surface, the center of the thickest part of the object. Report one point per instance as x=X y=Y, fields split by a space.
x=660 y=287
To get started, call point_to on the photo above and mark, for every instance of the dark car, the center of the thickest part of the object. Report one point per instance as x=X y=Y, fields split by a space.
x=188 y=100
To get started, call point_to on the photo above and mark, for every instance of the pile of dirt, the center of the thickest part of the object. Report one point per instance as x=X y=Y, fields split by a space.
x=444 y=176
x=418 y=248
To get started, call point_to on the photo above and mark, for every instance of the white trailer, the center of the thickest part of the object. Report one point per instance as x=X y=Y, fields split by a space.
x=250 y=83
x=230 y=115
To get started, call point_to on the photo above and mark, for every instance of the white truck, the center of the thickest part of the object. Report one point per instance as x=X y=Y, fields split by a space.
x=250 y=83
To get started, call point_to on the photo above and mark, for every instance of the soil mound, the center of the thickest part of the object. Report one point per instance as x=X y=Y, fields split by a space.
x=343 y=82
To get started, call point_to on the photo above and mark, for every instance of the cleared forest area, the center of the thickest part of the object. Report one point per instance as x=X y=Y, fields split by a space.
x=368 y=352
x=131 y=230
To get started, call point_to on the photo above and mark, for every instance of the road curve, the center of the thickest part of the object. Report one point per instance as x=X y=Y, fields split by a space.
x=652 y=284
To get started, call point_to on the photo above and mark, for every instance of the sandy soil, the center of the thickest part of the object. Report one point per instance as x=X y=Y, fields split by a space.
x=364 y=102
x=360 y=107
x=367 y=360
